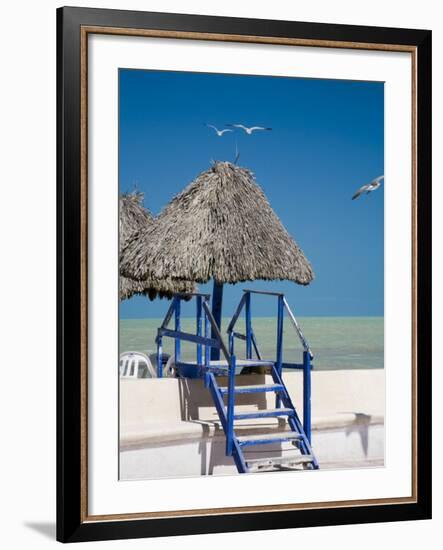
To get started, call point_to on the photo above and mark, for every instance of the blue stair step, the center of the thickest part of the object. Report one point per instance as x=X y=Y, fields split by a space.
x=211 y=372
x=269 y=463
x=264 y=439
x=240 y=363
x=257 y=388
x=264 y=413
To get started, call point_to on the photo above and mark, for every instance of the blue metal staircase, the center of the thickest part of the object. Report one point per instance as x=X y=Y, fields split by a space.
x=251 y=452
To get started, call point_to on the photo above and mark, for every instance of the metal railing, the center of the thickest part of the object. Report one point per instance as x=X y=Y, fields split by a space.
x=203 y=313
x=205 y=322
x=178 y=334
x=251 y=343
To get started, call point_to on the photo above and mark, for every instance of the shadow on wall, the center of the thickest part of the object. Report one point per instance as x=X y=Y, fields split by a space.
x=194 y=397
x=361 y=425
x=195 y=404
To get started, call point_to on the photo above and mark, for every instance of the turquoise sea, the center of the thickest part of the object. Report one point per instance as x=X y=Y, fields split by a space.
x=337 y=342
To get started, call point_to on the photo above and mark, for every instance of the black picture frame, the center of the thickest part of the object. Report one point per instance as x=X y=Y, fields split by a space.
x=72 y=523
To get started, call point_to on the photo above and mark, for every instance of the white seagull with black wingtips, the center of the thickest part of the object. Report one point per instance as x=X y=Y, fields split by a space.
x=249 y=130
x=369 y=187
x=217 y=131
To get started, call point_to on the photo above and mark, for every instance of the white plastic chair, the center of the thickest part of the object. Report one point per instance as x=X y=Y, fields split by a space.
x=168 y=364
x=134 y=364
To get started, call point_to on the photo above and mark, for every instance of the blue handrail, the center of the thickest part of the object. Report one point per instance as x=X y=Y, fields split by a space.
x=251 y=341
x=178 y=334
x=264 y=292
x=297 y=328
x=208 y=335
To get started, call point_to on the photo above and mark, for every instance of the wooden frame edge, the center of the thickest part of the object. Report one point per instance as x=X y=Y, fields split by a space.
x=203 y=512
x=251 y=39
x=85 y=31
x=84 y=273
x=91 y=29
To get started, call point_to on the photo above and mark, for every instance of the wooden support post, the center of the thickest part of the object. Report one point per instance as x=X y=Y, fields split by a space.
x=199 y=330
x=248 y=323
x=159 y=356
x=207 y=349
x=177 y=349
x=217 y=303
x=307 y=394
x=230 y=411
x=231 y=343
x=279 y=358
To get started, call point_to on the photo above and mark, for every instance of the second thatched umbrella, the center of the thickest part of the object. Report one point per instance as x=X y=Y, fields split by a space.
x=134 y=218
x=220 y=227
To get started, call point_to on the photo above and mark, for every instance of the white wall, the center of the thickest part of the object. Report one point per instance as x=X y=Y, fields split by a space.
x=27 y=218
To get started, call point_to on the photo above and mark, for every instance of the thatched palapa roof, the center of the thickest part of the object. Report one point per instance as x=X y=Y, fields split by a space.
x=153 y=289
x=221 y=227
x=133 y=215
x=133 y=218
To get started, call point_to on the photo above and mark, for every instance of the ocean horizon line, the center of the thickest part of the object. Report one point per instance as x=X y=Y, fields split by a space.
x=266 y=317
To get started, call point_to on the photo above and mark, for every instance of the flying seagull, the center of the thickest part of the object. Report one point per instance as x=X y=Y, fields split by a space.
x=248 y=130
x=218 y=132
x=369 y=187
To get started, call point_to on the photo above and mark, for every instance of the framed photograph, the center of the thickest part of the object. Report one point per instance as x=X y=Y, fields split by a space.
x=244 y=274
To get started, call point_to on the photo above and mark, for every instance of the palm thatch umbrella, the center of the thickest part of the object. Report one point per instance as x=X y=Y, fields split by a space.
x=133 y=218
x=220 y=227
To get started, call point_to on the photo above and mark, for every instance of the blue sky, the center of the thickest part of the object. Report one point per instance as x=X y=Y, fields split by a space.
x=327 y=140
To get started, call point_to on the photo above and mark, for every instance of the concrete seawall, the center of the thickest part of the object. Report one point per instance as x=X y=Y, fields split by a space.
x=170 y=428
